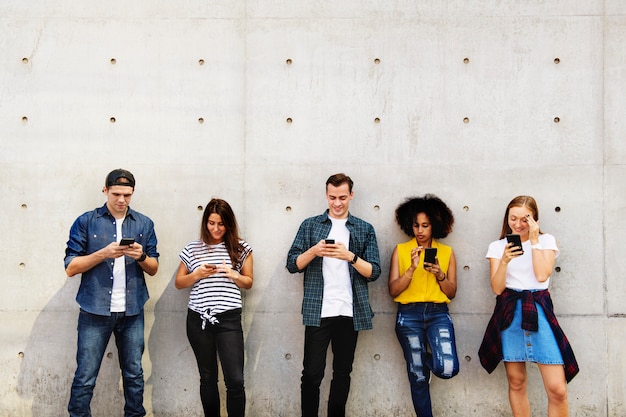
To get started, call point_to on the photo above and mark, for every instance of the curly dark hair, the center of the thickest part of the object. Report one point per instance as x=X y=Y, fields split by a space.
x=439 y=214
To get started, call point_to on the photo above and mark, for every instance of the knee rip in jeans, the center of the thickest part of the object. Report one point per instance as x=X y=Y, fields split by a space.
x=417 y=367
x=446 y=349
x=446 y=343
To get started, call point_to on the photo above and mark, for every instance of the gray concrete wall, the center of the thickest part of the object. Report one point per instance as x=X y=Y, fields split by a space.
x=258 y=102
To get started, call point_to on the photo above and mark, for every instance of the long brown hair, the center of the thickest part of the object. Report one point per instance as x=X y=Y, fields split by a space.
x=519 y=201
x=231 y=237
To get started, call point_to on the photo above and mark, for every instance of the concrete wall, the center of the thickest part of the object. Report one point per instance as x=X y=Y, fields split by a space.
x=258 y=102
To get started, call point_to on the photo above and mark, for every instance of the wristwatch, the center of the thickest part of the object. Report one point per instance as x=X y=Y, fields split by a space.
x=142 y=257
x=353 y=261
x=537 y=246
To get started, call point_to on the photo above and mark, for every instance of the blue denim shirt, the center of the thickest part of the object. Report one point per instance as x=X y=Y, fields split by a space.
x=362 y=242
x=93 y=231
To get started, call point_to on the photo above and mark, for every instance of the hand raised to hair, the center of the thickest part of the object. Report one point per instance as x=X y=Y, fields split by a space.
x=533 y=229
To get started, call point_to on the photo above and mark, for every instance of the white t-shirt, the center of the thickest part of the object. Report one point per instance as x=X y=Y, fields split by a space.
x=337 y=299
x=519 y=273
x=118 y=294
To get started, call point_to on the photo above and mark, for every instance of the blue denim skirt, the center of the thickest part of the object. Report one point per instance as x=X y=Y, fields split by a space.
x=519 y=345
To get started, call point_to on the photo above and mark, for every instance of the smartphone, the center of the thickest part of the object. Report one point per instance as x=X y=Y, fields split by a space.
x=329 y=241
x=516 y=240
x=429 y=255
x=127 y=241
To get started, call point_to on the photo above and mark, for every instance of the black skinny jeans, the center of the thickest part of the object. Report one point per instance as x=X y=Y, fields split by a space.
x=225 y=340
x=340 y=334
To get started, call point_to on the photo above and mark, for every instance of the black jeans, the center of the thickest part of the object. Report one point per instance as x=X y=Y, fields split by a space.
x=340 y=334
x=226 y=340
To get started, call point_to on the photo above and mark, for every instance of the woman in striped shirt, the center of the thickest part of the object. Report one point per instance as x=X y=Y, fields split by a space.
x=216 y=267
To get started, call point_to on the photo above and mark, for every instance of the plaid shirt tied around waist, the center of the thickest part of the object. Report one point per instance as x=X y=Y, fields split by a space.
x=490 y=351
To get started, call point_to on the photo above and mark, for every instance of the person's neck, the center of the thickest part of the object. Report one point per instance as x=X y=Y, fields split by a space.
x=337 y=218
x=426 y=244
x=117 y=216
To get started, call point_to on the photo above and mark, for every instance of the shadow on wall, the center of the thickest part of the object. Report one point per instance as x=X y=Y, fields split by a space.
x=174 y=378
x=49 y=361
x=269 y=348
x=274 y=347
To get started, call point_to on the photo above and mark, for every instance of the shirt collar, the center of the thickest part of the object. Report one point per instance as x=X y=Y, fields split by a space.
x=104 y=211
x=327 y=218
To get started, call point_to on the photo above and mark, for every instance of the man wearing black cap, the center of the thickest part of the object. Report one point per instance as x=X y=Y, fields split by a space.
x=112 y=291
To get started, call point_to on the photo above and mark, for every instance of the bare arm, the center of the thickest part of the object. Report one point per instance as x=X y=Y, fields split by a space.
x=543 y=260
x=185 y=279
x=243 y=279
x=135 y=251
x=339 y=251
x=398 y=283
x=498 y=268
x=447 y=280
x=543 y=263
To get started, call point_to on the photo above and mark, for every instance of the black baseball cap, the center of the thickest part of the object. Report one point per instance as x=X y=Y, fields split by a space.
x=120 y=177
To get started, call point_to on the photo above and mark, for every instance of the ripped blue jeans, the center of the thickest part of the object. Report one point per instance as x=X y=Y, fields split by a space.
x=426 y=334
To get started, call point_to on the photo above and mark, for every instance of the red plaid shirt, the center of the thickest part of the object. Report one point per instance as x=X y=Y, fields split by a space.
x=490 y=351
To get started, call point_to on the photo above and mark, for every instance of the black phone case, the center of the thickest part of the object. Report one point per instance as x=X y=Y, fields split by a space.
x=429 y=255
x=516 y=240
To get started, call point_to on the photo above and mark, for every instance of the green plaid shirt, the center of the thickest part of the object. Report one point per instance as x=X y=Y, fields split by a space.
x=362 y=243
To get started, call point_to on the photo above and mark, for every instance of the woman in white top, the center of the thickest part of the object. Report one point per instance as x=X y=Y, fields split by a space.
x=217 y=266
x=523 y=327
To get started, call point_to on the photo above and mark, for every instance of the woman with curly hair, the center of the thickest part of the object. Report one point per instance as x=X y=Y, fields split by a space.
x=423 y=290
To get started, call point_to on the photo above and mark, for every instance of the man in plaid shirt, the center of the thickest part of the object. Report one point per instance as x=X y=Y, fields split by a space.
x=338 y=254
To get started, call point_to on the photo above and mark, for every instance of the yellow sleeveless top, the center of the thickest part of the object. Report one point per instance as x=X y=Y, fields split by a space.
x=424 y=286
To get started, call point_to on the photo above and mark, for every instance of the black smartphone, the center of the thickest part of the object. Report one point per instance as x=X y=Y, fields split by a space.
x=429 y=255
x=127 y=241
x=329 y=241
x=516 y=240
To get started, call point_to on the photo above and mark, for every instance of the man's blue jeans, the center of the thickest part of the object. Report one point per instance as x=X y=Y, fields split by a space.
x=420 y=326
x=94 y=333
